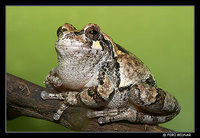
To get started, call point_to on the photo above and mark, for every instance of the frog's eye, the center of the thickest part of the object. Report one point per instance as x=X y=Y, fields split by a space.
x=60 y=30
x=93 y=32
x=65 y=27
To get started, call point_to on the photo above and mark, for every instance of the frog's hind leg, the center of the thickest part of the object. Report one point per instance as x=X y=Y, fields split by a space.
x=153 y=100
x=130 y=114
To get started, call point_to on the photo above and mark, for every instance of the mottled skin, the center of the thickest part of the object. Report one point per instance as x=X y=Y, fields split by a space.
x=96 y=73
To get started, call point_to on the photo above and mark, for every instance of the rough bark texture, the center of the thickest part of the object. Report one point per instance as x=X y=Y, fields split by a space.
x=23 y=98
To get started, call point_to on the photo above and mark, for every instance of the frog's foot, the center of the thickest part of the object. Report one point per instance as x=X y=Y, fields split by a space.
x=52 y=80
x=108 y=115
x=93 y=114
x=59 y=112
x=60 y=96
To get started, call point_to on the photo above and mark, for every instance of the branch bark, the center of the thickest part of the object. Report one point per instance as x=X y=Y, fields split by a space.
x=23 y=99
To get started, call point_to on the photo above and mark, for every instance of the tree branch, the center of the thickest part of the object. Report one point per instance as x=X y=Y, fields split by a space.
x=23 y=98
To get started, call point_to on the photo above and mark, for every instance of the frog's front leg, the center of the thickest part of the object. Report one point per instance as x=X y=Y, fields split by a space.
x=95 y=96
x=89 y=97
x=59 y=96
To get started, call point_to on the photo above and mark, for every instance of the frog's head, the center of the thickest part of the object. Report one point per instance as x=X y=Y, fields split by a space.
x=81 y=53
x=88 y=42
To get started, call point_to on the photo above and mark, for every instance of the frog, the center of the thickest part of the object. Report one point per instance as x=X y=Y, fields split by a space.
x=96 y=73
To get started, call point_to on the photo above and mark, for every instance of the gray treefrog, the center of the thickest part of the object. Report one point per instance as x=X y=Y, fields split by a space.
x=96 y=73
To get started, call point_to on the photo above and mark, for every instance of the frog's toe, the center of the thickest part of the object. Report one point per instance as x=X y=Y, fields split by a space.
x=56 y=116
x=43 y=95
x=102 y=120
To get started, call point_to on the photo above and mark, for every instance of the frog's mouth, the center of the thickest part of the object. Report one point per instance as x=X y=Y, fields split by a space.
x=71 y=47
x=63 y=47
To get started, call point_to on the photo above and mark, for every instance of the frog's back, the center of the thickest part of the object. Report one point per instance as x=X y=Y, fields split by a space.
x=132 y=69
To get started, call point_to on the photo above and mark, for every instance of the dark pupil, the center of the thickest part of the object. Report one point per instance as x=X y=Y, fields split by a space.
x=93 y=32
x=64 y=29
